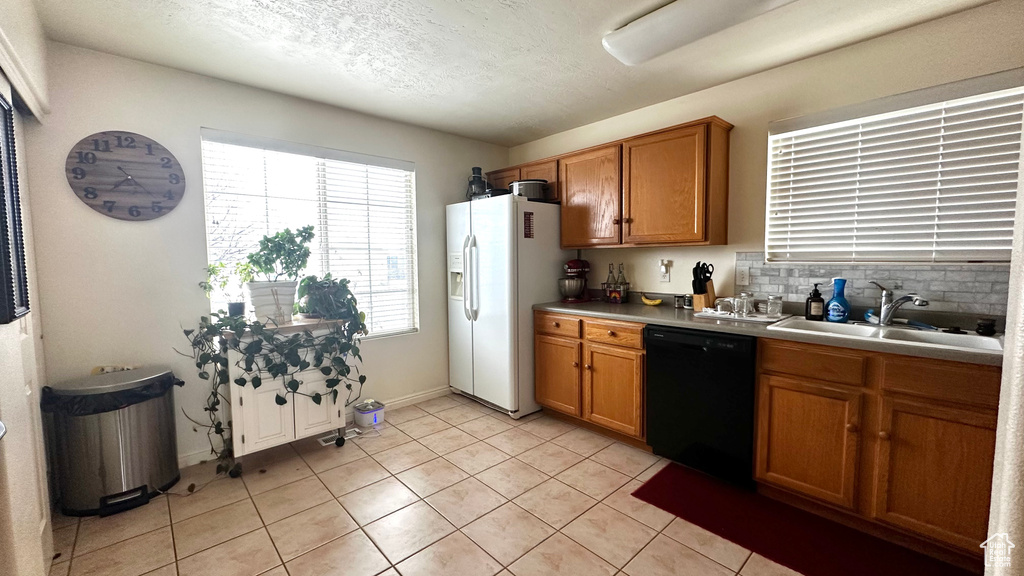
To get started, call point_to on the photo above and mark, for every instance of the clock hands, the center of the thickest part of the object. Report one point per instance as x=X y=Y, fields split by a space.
x=131 y=179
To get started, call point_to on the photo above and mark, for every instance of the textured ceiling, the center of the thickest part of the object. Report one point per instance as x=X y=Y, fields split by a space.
x=503 y=71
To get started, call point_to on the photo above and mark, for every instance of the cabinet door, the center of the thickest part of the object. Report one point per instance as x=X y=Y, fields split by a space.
x=613 y=388
x=264 y=424
x=934 y=470
x=543 y=171
x=663 y=183
x=312 y=418
x=502 y=178
x=807 y=438
x=591 y=197
x=557 y=373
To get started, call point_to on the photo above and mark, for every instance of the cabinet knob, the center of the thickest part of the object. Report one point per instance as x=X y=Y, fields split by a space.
x=611 y=333
x=851 y=428
x=556 y=324
x=627 y=220
x=575 y=364
x=616 y=221
x=883 y=435
x=587 y=366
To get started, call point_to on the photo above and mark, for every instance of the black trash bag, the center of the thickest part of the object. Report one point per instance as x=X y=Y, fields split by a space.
x=86 y=404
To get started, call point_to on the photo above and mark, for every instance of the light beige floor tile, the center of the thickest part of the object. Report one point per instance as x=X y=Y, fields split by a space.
x=307 y=530
x=547 y=427
x=512 y=477
x=389 y=572
x=476 y=458
x=320 y=458
x=438 y=404
x=446 y=441
x=351 y=555
x=455 y=555
x=130 y=557
x=593 y=479
x=291 y=498
x=514 y=441
x=278 y=571
x=558 y=555
x=504 y=417
x=95 y=532
x=403 y=414
x=353 y=476
x=275 y=474
x=404 y=457
x=625 y=459
x=214 y=527
x=246 y=555
x=612 y=535
x=377 y=500
x=508 y=532
x=60 y=568
x=481 y=428
x=264 y=458
x=64 y=542
x=424 y=426
x=582 y=441
x=726 y=553
x=666 y=557
x=459 y=415
x=466 y=501
x=169 y=570
x=381 y=439
x=623 y=501
x=461 y=399
x=653 y=469
x=408 y=531
x=758 y=565
x=220 y=492
x=550 y=458
x=432 y=476
x=555 y=503
x=58 y=520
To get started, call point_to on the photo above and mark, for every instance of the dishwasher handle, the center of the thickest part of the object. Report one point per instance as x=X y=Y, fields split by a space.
x=698 y=339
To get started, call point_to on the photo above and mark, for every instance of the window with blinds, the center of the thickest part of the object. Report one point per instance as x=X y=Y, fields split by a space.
x=934 y=183
x=363 y=210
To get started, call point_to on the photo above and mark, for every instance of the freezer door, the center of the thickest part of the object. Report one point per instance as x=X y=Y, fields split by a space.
x=492 y=278
x=460 y=327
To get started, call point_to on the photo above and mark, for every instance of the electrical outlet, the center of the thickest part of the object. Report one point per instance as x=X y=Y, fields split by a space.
x=742 y=276
x=666 y=277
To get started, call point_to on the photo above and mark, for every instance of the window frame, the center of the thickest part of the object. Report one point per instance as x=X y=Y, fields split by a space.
x=13 y=271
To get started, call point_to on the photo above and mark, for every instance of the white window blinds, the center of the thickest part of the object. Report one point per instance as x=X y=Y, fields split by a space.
x=933 y=183
x=363 y=213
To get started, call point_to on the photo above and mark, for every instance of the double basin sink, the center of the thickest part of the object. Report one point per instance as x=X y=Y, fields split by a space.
x=972 y=342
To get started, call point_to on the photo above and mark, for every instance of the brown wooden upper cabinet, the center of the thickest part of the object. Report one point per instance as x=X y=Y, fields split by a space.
x=539 y=170
x=591 y=201
x=502 y=178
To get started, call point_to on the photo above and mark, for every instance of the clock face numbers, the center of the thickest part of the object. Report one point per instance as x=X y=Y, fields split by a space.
x=125 y=175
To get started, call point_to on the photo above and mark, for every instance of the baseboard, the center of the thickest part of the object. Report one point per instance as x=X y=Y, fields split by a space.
x=185 y=460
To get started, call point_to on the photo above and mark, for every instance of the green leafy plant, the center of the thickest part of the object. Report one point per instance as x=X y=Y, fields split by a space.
x=283 y=254
x=219 y=277
x=269 y=355
x=326 y=298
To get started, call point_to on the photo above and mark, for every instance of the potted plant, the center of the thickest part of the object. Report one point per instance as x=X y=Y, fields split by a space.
x=218 y=277
x=326 y=298
x=282 y=255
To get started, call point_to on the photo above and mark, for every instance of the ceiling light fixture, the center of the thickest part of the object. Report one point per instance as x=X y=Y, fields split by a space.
x=678 y=24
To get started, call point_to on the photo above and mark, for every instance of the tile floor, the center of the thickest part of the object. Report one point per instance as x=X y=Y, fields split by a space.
x=449 y=487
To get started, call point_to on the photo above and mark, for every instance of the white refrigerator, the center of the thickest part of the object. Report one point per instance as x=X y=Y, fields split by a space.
x=503 y=257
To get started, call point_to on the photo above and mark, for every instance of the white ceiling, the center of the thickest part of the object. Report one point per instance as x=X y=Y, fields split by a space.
x=502 y=71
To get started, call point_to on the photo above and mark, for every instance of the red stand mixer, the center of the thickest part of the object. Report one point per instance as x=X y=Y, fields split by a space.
x=574 y=285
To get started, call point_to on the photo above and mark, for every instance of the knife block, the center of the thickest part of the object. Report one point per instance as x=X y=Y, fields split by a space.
x=702 y=301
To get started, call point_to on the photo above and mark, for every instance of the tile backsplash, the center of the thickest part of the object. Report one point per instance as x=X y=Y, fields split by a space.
x=976 y=289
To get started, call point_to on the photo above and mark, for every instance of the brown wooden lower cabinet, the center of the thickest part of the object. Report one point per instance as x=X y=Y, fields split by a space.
x=612 y=385
x=910 y=445
x=808 y=438
x=557 y=373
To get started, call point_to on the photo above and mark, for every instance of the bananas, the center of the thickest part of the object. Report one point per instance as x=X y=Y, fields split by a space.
x=649 y=301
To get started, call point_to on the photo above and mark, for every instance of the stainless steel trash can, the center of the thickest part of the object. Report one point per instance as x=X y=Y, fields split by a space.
x=112 y=439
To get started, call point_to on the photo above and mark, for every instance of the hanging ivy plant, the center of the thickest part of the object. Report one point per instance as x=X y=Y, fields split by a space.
x=268 y=356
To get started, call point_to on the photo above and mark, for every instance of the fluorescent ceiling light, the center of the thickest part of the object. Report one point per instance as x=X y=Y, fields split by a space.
x=678 y=24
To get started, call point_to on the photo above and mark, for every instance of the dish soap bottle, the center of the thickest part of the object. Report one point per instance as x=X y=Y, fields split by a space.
x=815 y=309
x=838 y=308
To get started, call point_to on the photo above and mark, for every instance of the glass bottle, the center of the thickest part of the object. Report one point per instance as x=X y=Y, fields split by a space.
x=774 y=306
x=622 y=276
x=611 y=274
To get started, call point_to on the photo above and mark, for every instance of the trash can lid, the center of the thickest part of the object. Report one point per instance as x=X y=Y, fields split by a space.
x=112 y=382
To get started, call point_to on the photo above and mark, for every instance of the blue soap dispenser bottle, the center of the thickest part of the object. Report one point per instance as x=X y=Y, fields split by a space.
x=838 y=308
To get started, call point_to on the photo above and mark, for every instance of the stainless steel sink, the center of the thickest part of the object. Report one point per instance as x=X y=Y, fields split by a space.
x=970 y=342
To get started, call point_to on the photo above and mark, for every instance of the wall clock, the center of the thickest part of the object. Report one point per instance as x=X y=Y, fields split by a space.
x=125 y=175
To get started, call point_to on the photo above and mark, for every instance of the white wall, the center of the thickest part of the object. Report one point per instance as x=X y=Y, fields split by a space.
x=23 y=52
x=980 y=41
x=118 y=292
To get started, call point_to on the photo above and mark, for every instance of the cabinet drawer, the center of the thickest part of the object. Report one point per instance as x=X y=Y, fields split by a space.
x=617 y=333
x=813 y=361
x=942 y=380
x=556 y=324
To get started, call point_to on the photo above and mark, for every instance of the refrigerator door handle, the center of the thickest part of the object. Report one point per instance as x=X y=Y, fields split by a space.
x=467 y=286
x=472 y=279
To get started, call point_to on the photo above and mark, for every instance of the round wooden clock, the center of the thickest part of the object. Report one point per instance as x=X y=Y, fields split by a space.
x=125 y=175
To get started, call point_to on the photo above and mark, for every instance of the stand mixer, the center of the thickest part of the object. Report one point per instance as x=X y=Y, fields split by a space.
x=574 y=285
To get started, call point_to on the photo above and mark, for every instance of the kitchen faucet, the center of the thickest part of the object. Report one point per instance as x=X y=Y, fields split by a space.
x=890 y=306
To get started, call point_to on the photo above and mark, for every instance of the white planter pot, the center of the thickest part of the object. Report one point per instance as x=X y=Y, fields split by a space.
x=272 y=301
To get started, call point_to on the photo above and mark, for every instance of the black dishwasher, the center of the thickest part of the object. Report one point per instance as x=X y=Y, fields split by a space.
x=700 y=400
